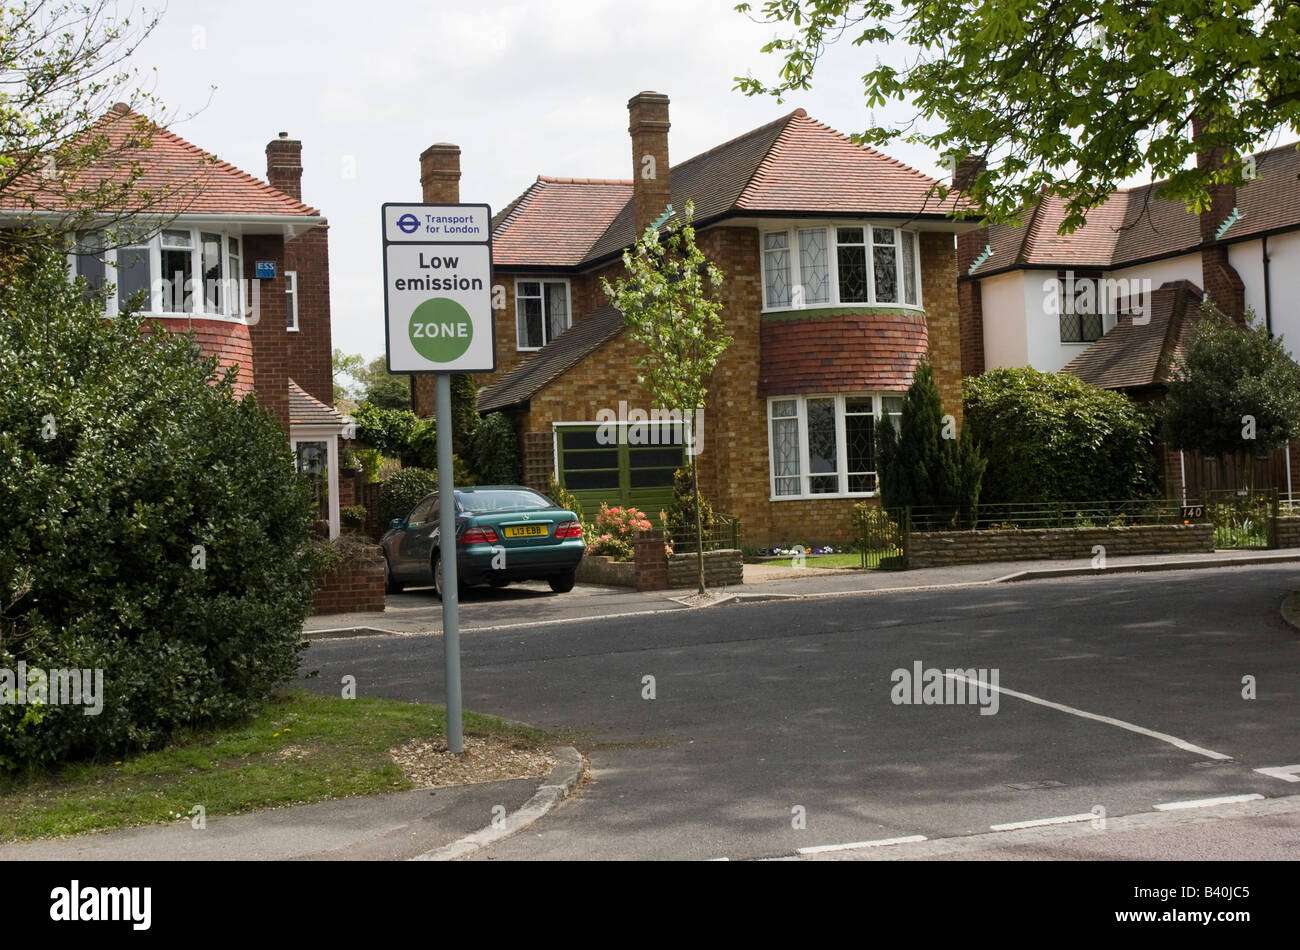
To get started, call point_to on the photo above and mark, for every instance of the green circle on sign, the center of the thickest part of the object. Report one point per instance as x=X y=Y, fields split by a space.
x=440 y=330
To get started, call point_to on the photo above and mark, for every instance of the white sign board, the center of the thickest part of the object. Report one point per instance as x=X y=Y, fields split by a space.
x=438 y=288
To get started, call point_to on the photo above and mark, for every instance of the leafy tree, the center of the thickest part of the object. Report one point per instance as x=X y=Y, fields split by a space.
x=1061 y=97
x=62 y=65
x=392 y=431
x=917 y=465
x=1051 y=437
x=345 y=366
x=402 y=491
x=381 y=388
x=675 y=321
x=152 y=528
x=1234 y=393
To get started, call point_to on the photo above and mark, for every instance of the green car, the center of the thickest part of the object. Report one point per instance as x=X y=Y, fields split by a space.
x=504 y=533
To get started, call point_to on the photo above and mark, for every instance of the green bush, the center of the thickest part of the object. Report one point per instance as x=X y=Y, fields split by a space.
x=1052 y=437
x=153 y=526
x=917 y=465
x=496 y=451
x=391 y=431
x=402 y=491
x=681 y=513
x=565 y=499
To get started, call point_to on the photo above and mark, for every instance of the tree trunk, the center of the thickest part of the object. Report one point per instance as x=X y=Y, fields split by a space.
x=699 y=523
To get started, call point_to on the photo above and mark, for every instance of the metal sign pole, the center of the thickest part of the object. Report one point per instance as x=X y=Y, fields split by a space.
x=447 y=542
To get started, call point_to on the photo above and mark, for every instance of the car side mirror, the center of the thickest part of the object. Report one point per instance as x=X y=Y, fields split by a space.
x=395 y=524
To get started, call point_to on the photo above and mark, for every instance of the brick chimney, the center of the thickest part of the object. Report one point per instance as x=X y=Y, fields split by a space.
x=439 y=184
x=284 y=165
x=1219 y=278
x=651 y=185
x=967 y=170
x=440 y=174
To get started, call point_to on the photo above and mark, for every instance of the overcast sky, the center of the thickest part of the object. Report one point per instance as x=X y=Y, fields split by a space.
x=523 y=88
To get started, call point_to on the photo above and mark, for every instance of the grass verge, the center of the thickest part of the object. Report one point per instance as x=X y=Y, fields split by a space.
x=302 y=748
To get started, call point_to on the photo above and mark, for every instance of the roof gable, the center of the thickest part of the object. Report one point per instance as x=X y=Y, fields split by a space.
x=176 y=176
x=1133 y=356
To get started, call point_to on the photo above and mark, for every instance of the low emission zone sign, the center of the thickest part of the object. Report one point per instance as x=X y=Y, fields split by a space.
x=438 y=288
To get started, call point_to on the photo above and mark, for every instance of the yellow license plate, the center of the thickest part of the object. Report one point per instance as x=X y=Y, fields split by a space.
x=527 y=531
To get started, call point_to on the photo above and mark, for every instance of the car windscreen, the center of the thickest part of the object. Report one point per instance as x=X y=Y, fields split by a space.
x=505 y=499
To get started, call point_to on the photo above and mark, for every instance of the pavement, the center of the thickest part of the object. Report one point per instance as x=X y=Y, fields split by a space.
x=421 y=824
x=418 y=611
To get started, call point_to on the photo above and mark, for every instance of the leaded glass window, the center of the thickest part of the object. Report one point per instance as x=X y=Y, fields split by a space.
x=884 y=261
x=785 y=447
x=814 y=266
x=823 y=465
x=851 y=256
x=776 y=268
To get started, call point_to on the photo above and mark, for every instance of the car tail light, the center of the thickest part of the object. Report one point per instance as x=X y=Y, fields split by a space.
x=570 y=529
x=479 y=536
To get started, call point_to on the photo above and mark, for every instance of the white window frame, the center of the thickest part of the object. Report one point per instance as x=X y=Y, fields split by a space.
x=232 y=305
x=291 y=292
x=791 y=230
x=841 y=443
x=546 y=337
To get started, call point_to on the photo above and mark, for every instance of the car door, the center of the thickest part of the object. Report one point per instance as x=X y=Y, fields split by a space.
x=412 y=563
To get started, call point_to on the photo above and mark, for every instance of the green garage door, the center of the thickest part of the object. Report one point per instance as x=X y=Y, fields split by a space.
x=622 y=475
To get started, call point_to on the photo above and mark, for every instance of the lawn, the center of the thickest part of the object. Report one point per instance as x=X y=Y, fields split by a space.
x=302 y=748
x=853 y=560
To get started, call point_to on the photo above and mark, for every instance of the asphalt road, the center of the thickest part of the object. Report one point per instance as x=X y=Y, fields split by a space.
x=766 y=713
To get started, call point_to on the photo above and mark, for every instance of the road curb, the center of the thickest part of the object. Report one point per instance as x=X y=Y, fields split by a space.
x=557 y=787
x=1147 y=566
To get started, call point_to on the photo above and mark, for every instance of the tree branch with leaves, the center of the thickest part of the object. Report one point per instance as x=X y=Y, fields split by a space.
x=1061 y=98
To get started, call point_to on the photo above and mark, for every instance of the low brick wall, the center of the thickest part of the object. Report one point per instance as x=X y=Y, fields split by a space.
x=939 y=548
x=1288 y=533
x=356 y=585
x=721 y=569
x=598 y=569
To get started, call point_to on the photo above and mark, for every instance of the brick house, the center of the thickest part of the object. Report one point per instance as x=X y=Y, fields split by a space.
x=241 y=263
x=839 y=276
x=1067 y=302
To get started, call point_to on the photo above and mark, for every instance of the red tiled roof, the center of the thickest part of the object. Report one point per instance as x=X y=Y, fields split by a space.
x=177 y=177
x=791 y=165
x=811 y=167
x=306 y=410
x=555 y=221
x=1134 y=356
x=871 y=352
x=1134 y=225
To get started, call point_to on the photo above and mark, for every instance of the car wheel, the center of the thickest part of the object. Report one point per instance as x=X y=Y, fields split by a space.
x=563 y=583
x=391 y=584
x=437 y=579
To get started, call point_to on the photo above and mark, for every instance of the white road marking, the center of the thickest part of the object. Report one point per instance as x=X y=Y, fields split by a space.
x=1208 y=802
x=855 y=845
x=1039 y=822
x=1287 y=773
x=1162 y=736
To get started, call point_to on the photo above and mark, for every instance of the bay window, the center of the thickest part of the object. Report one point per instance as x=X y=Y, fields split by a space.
x=826 y=445
x=181 y=270
x=840 y=266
